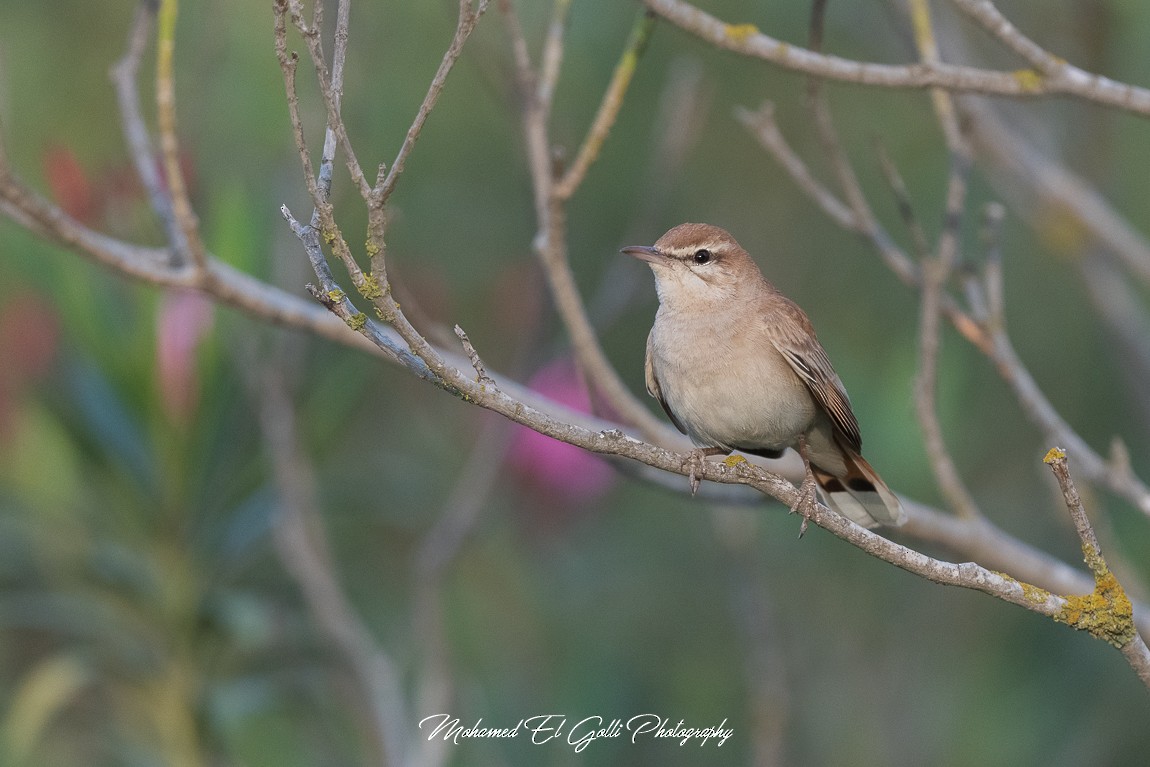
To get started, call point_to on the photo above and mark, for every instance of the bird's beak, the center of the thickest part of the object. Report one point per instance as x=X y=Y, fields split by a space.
x=645 y=253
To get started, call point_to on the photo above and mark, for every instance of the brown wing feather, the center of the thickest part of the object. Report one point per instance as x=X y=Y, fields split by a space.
x=653 y=386
x=795 y=339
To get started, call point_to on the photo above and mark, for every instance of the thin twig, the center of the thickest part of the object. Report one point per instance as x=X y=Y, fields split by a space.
x=936 y=271
x=468 y=17
x=305 y=554
x=762 y=124
x=819 y=107
x=550 y=240
x=1106 y=613
x=190 y=246
x=551 y=59
x=314 y=42
x=480 y=371
x=328 y=228
x=927 y=46
x=462 y=512
x=609 y=107
x=1001 y=27
x=942 y=464
x=898 y=187
x=139 y=143
x=338 y=57
x=993 y=216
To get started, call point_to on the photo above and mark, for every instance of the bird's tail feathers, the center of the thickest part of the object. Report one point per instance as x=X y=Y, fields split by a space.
x=859 y=494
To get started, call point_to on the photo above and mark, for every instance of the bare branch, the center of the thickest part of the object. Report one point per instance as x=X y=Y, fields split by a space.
x=461 y=512
x=323 y=218
x=136 y=136
x=304 y=552
x=991 y=19
x=1053 y=191
x=338 y=57
x=189 y=246
x=749 y=41
x=472 y=355
x=763 y=126
x=551 y=58
x=936 y=272
x=468 y=18
x=314 y=42
x=608 y=108
x=550 y=239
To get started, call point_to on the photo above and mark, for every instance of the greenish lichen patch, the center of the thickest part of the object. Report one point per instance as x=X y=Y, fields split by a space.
x=731 y=461
x=1034 y=594
x=1106 y=613
x=357 y=321
x=370 y=287
x=336 y=295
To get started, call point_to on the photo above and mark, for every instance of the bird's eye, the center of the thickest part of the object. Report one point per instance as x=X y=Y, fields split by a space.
x=702 y=256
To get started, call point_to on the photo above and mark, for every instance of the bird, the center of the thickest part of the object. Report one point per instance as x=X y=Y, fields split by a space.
x=736 y=365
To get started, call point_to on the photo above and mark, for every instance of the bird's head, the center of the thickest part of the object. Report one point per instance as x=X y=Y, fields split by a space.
x=698 y=265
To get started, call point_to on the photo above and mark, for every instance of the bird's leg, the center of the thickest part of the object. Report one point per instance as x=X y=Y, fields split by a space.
x=695 y=463
x=805 y=503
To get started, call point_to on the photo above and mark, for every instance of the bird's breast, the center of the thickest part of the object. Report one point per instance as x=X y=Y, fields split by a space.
x=728 y=385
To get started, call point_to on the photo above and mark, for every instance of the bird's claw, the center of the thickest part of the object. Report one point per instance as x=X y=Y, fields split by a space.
x=694 y=466
x=805 y=503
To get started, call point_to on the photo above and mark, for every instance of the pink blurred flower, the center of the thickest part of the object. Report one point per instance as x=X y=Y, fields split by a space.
x=183 y=319
x=559 y=472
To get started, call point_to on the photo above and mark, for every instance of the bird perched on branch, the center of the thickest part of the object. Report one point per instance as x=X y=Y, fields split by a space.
x=736 y=366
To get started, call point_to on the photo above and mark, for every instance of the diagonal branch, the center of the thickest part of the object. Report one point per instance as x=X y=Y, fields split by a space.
x=747 y=40
x=189 y=245
x=305 y=554
x=609 y=107
x=975 y=538
x=468 y=17
x=550 y=242
x=136 y=136
x=936 y=272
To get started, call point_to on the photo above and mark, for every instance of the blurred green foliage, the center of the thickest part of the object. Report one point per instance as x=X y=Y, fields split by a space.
x=145 y=616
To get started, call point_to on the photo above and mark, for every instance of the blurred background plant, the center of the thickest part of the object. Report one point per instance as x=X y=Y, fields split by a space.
x=149 y=614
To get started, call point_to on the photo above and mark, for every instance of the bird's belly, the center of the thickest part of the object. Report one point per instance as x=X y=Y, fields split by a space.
x=754 y=404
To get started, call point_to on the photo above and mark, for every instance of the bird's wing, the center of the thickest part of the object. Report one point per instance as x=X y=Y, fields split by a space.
x=796 y=341
x=653 y=385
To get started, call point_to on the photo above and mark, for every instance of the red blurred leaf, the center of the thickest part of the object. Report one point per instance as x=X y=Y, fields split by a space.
x=69 y=183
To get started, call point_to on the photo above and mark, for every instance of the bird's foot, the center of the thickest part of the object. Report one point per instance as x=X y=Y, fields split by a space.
x=805 y=503
x=694 y=464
